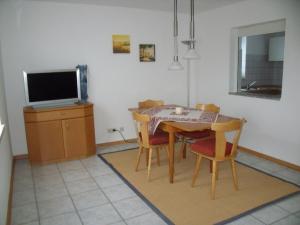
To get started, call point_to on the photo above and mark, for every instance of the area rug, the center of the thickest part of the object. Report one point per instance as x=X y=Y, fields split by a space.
x=184 y=205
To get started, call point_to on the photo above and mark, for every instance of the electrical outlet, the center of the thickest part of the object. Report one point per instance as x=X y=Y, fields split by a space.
x=110 y=130
x=122 y=129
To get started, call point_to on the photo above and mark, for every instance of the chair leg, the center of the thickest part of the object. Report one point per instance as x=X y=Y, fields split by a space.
x=167 y=150
x=197 y=169
x=182 y=149
x=233 y=168
x=158 y=157
x=213 y=179
x=149 y=163
x=138 y=158
x=147 y=156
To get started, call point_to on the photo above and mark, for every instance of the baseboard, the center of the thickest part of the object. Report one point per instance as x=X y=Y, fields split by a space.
x=20 y=157
x=270 y=158
x=108 y=144
x=9 y=205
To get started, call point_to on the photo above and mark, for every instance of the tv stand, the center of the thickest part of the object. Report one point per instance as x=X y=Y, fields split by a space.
x=60 y=133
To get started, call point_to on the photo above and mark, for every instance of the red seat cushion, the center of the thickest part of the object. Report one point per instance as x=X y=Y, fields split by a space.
x=207 y=147
x=196 y=134
x=159 y=138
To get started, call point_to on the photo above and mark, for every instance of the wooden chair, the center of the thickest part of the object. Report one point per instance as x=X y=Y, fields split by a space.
x=149 y=103
x=186 y=136
x=218 y=149
x=149 y=142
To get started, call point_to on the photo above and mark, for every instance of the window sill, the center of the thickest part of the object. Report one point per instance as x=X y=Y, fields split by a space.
x=253 y=95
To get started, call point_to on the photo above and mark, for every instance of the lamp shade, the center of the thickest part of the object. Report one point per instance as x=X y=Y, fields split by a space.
x=191 y=54
x=175 y=66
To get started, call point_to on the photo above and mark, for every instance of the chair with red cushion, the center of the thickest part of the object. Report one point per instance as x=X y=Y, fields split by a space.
x=149 y=142
x=188 y=137
x=218 y=149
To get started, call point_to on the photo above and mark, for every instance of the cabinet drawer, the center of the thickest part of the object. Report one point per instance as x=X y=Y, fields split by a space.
x=57 y=114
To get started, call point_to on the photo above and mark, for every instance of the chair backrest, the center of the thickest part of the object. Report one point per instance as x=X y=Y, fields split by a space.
x=208 y=107
x=221 y=141
x=142 y=123
x=149 y=103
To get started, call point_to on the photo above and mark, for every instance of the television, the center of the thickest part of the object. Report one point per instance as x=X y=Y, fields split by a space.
x=52 y=87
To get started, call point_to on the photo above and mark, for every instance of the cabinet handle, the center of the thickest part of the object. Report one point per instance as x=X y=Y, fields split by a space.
x=62 y=113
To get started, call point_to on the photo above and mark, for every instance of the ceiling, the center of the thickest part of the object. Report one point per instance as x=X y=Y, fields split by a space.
x=162 y=5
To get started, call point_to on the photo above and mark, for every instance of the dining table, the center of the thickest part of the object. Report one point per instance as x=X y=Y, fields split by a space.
x=177 y=123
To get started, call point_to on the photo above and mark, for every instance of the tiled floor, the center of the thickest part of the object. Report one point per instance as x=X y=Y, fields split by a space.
x=88 y=192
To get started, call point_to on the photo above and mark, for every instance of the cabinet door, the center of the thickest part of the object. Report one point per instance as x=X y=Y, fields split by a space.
x=45 y=141
x=79 y=137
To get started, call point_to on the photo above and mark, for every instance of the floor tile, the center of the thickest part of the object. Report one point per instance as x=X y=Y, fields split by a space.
x=20 y=174
x=119 y=223
x=108 y=180
x=103 y=215
x=23 y=184
x=92 y=162
x=131 y=207
x=22 y=164
x=290 y=175
x=246 y=220
x=65 y=219
x=268 y=166
x=45 y=170
x=70 y=165
x=291 y=204
x=73 y=175
x=89 y=199
x=270 y=214
x=118 y=192
x=146 y=219
x=32 y=223
x=99 y=170
x=297 y=214
x=55 y=207
x=80 y=186
x=50 y=180
x=50 y=192
x=24 y=214
x=290 y=220
x=23 y=197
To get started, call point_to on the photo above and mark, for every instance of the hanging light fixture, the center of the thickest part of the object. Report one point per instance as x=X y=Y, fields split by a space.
x=175 y=64
x=191 y=53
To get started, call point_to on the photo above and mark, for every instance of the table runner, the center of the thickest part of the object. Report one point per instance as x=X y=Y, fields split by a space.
x=192 y=115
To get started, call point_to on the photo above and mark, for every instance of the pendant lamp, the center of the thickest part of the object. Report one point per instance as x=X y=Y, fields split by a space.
x=191 y=53
x=175 y=64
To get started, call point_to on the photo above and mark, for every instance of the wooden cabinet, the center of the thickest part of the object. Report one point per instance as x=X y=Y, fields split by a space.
x=57 y=134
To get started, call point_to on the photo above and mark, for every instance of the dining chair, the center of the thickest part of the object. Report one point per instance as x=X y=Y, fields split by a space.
x=149 y=142
x=186 y=136
x=149 y=103
x=218 y=149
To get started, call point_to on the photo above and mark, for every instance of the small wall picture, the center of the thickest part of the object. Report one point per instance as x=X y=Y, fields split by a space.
x=121 y=43
x=147 y=52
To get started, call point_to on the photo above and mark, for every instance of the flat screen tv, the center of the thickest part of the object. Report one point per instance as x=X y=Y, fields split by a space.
x=52 y=88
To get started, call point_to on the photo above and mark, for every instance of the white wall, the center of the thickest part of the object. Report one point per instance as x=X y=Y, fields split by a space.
x=51 y=35
x=5 y=150
x=273 y=126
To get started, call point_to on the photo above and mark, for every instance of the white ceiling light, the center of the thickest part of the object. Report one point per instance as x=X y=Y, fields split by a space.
x=175 y=64
x=191 y=53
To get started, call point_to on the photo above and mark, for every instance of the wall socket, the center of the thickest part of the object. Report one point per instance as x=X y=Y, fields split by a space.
x=112 y=130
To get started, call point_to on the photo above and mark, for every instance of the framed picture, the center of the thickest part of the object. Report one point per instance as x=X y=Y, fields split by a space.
x=121 y=43
x=147 y=52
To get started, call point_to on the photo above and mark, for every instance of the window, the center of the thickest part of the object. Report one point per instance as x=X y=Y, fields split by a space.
x=258 y=57
x=1 y=128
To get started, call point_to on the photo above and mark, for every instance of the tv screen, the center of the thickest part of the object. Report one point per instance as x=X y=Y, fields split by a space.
x=52 y=87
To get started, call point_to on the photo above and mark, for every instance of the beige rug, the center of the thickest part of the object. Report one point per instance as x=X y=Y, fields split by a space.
x=185 y=205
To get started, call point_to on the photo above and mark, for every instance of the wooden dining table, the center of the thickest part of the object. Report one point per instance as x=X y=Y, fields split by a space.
x=173 y=127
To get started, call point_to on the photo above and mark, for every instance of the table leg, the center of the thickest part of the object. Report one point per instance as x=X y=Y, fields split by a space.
x=171 y=155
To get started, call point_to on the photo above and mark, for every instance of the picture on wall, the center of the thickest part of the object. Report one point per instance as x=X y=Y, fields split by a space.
x=121 y=43
x=147 y=52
